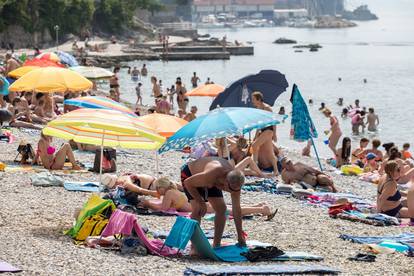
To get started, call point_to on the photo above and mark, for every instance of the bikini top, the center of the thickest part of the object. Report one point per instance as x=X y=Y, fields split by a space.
x=137 y=182
x=395 y=197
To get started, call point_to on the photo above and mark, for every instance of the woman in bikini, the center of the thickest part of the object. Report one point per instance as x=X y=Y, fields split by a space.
x=336 y=132
x=52 y=159
x=406 y=168
x=390 y=200
x=172 y=198
x=343 y=154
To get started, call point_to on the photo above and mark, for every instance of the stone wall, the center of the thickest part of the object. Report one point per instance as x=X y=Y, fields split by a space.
x=21 y=39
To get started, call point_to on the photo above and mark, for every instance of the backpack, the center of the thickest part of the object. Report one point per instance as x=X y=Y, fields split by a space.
x=92 y=226
x=93 y=207
x=108 y=161
x=26 y=151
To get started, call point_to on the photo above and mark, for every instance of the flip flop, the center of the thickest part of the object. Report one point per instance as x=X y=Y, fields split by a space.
x=271 y=216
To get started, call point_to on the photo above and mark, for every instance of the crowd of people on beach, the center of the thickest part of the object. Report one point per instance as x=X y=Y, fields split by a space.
x=223 y=164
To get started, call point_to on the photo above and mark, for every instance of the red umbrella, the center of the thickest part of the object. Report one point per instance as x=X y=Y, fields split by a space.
x=42 y=63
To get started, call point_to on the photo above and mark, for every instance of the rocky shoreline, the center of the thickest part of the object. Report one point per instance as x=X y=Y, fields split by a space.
x=33 y=218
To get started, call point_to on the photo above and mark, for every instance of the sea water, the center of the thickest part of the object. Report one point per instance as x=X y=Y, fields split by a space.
x=380 y=51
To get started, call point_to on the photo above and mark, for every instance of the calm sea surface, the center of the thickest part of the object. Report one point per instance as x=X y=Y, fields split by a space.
x=381 y=51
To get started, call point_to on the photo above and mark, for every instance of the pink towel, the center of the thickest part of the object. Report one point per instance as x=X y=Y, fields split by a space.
x=123 y=223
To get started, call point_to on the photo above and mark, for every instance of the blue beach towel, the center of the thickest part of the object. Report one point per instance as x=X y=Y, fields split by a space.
x=403 y=238
x=92 y=187
x=259 y=270
x=185 y=229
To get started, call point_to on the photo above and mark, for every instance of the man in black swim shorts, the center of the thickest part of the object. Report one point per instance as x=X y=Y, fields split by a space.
x=204 y=180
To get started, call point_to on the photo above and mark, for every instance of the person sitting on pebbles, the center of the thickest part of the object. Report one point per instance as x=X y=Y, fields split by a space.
x=172 y=198
x=142 y=184
x=300 y=172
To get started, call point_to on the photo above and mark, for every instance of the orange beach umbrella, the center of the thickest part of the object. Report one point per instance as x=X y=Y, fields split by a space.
x=206 y=90
x=165 y=125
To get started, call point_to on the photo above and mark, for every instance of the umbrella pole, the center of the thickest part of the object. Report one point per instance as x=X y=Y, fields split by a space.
x=316 y=153
x=156 y=162
x=101 y=161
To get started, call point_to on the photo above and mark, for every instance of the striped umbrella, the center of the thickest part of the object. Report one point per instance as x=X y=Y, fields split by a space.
x=99 y=103
x=102 y=127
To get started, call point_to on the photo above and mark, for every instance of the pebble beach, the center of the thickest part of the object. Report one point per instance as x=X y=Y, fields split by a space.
x=32 y=221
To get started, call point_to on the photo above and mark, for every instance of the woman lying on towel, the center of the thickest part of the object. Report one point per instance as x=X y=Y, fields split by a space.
x=142 y=184
x=51 y=158
x=172 y=198
x=390 y=200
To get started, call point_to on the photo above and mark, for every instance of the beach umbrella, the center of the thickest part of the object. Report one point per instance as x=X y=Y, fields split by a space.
x=67 y=59
x=42 y=63
x=48 y=56
x=51 y=79
x=104 y=128
x=206 y=90
x=165 y=125
x=302 y=127
x=270 y=83
x=218 y=123
x=4 y=88
x=99 y=103
x=93 y=73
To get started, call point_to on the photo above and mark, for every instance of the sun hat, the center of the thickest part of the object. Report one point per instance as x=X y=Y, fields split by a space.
x=109 y=180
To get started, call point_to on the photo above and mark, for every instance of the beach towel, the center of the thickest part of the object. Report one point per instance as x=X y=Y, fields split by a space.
x=259 y=270
x=185 y=229
x=123 y=223
x=5 y=267
x=266 y=185
x=403 y=238
x=376 y=219
x=46 y=179
x=80 y=186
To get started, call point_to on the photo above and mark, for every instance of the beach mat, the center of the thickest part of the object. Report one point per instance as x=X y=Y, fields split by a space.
x=259 y=270
x=404 y=237
x=185 y=229
x=79 y=186
x=5 y=267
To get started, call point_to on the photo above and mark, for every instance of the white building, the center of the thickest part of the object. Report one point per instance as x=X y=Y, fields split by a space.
x=289 y=13
x=240 y=8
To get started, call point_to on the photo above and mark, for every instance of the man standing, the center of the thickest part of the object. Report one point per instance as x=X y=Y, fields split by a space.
x=194 y=80
x=372 y=119
x=204 y=180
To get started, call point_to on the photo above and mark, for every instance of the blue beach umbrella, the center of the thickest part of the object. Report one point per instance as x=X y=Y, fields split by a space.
x=67 y=59
x=302 y=127
x=218 y=123
x=270 y=83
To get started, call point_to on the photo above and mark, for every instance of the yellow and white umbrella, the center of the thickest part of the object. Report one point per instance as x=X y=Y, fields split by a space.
x=102 y=127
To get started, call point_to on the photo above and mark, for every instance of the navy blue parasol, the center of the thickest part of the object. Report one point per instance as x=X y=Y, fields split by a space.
x=270 y=83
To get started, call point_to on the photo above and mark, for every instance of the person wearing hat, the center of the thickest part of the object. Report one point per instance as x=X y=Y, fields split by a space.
x=371 y=162
x=139 y=183
x=299 y=172
x=335 y=130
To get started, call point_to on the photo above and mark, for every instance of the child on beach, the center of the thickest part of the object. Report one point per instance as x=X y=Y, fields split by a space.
x=138 y=92
x=405 y=152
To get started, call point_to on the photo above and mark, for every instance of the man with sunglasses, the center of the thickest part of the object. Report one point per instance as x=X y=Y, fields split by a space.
x=204 y=180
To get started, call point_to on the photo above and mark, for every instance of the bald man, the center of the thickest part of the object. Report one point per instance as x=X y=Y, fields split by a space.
x=204 y=180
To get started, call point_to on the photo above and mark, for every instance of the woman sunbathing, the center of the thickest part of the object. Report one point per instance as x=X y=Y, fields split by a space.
x=142 y=184
x=52 y=159
x=390 y=200
x=343 y=154
x=406 y=169
x=172 y=198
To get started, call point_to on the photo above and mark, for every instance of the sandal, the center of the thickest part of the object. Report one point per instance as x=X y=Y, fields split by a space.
x=271 y=216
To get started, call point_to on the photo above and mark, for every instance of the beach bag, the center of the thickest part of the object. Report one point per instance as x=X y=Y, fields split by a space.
x=46 y=179
x=94 y=206
x=108 y=161
x=26 y=152
x=92 y=226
